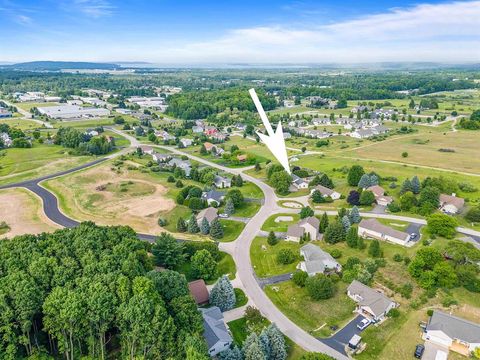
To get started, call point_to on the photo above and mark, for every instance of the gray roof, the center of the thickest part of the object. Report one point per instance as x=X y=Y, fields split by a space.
x=295 y=230
x=298 y=180
x=317 y=260
x=376 y=301
x=454 y=327
x=324 y=190
x=312 y=220
x=452 y=200
x=214 y=195
x=375 y=225
x=220 y=180
x=209 y=213
x=215 y=329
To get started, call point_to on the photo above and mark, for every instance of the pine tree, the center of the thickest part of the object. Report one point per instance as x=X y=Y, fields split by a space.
x=216 y=229
x=360 y=243
x=257 y=167
x=364 y=181
x=374 y=249
x=416 y=187
x=354 y=215
x=373 y=179
x=277 y=343
x=272 y=239
x=193 y=225
x=352 y=237
x=265 y=343
x=231 y=354
x=325 y=181
x=238 y=181
x=346 y=222
x=229 y=207
x=181 y=226
x=222 y=294
x=323 y=223
x=252 y=350
x=317 y=197
x=203 y=150
x=205 y=227
x=406 y=186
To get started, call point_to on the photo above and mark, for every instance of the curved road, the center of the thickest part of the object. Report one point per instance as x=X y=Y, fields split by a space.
x=239 y=249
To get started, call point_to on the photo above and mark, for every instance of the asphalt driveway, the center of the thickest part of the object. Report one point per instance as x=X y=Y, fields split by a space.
x=414 y=229
x=343 y=336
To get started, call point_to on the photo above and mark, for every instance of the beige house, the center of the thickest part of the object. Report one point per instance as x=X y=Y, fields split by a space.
x=308 y=225
x=317 y=261
x=209 y=213
x=451 y=204
x=370 y=303
x=380 y=197
x=326 y=192
x=372 y=228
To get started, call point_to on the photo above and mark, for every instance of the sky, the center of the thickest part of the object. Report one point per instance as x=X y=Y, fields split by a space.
x=226 y=32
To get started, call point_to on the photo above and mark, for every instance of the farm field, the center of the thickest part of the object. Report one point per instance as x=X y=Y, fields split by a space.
x=30 y=220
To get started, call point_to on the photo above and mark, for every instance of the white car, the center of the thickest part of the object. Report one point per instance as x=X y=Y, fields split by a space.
x=363 y=324
x=413 y=236
x=223 y=216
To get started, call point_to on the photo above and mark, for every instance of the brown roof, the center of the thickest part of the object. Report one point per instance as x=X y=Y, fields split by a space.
x=377 y=190
x=242 y=157
x=452 y=200
x=199 y=291
x=209 y=213
x=208 y=145
x=295 y=231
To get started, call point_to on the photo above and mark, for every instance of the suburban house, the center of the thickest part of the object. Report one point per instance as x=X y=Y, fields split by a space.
x=210 y=130
x=457 y=334
x=370 y=303
x=4 y=113
x=287 y=135
x=451 y=204
x=222 y=182
x=317 y=261
x=380 y=197
x=160 y=158
x=198 y=290
x=242 y=157
x=219 y=137
x=326 y=192
x=182 y=164
x=213 y=196
x=197 y=129
x=372 y=228
x=209 y=213
x=209 y=146
x=164 y=135
x=215 y=331
x=7 y=141
x=91 y=132
x=186 y=142
x=308 y=225
x=146 y=149
x=299 y=183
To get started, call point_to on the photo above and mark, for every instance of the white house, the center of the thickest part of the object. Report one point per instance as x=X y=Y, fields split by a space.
x=451 y=204
x=7 y=142
x=326 y=192
x=372 y=228
x=370 y=303
x=186 y=142
x=317 y=261
x=160 y=158
x=298 y=182
x=147 y=149
x=457 y=334
x=215 y=331
x=308 y=225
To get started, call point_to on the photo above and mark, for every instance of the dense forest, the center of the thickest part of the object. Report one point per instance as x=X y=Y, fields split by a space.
x=91 y=293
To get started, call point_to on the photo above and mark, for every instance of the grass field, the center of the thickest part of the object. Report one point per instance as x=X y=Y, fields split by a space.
x=231 y=229
x=294 y=301
x=22 y=164
x=22 y=124
x=265 y=263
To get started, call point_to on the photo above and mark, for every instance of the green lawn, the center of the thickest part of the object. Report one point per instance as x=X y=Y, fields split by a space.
x=316 y=317
x=247 y=209
x=265 y=263
x=250 y=190
x=240 y=297
x=281 y=226
x=231 y=229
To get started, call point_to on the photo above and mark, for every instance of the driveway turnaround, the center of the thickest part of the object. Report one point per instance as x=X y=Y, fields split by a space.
x=340 y=339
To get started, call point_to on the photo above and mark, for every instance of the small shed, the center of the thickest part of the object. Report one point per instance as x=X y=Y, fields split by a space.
x=354 y=342
x=198 y=289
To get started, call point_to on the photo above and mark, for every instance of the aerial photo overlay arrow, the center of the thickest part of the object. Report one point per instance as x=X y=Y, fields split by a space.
x=274 y=140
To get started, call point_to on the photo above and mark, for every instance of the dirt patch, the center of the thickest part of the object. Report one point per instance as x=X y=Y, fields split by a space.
x=293 y=205
x=283 y=218
x=23 y=213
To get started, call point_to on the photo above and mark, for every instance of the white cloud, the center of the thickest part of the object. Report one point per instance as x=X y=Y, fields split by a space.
x=23 y=19
x=426 y=32
x=94 y=8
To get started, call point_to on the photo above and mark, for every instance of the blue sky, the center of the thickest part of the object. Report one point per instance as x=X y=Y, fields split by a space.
x=195 y=32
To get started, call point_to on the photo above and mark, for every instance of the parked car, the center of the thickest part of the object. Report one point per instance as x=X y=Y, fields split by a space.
x=223 y=216
x=363 y=324
x=419 y=349
x=413 y=236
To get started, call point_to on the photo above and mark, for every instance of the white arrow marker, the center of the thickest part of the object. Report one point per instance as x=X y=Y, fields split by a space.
x=274 y=140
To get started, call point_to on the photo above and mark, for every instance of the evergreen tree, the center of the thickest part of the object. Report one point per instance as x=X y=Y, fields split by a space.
x=216 y=229
x=203 y=150
x=229 y=207
x=223 y=294
x=257 y=167
x=238 y=181
x=231 y=354
x=352 y=237
x=317 y=197
x=265 y=343
x=276 y=343
x=252 y=350
x=416 y=187
x=354 y=215
x=323 y=223
x=205 y=227
x=325 y=181
x=334 y=233
x=361 y=243
x=272 y=239
x=346 y=223
x=181 y=226
x=374 y=249
x=193 y=225
x=306 y=212
x=354 y=175
x=406 y=186
x=364 y=181
x=373 y=179
x=353 y=197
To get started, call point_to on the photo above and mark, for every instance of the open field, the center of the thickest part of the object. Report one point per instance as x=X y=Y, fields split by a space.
x=265 y=263
x=22 y=124
x=22 y=164
x=293 y=302
x=30 y=219
x=28 y=105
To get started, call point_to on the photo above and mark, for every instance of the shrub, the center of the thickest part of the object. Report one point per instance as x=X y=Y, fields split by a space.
x=397 y=257
x=299 y=278
x=286 y=256
x=393 y=313
x=320 y=287
x=162 y=222
x=430 y=312
x=336 y=253
x=272 y=239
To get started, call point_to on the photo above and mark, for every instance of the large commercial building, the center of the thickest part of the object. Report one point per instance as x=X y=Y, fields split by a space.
x=72 y=112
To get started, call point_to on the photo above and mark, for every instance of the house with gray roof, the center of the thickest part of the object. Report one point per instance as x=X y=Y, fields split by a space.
x=160 y=158
x=326 y=192
x=215 y=331
x=457 y=334
x=213 y=196
x=294 y=233
x=370 y=303
x=317 y=261
x=308 y=225
x=197 y=129
x=372 y=228
x=182 y=164
x=209 y=213
x=299 y=183
x=451 y=204
x=222 y=182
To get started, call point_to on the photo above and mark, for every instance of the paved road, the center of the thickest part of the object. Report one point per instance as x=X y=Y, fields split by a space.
x=239 y=249
x=272 y=280
x=341 y=338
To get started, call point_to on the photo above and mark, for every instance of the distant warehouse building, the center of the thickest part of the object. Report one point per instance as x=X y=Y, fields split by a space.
x=72 y=112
